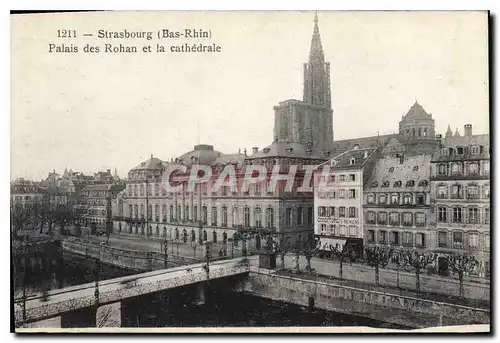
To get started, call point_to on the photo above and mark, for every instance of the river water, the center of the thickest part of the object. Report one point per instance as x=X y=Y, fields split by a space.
x=178 y=308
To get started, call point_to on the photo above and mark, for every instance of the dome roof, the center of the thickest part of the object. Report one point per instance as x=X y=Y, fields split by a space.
x=152 y=163
x=201 y=154
x=417 y=112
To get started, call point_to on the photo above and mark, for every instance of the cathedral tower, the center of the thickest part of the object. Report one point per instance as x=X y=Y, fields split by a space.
x=310 y=121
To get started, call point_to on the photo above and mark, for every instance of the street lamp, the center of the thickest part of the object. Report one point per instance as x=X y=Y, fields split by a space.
x=165 y=250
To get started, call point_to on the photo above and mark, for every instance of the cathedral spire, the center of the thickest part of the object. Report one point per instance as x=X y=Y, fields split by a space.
x=449 y=133
x=316 y=51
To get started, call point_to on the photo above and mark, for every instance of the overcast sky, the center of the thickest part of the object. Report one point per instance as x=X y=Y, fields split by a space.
x=90 y=112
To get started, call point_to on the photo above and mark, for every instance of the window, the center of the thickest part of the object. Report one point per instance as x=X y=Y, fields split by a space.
x=382 y=199
x=204 y=214
x=486 y=215
x=171 y=213
x=457 y=215
x=270 y=217
x=415 y=168
x=331 y=211
x=332 y=178
x=246 y=217
x=420 y=219
x=352 y=212
x=395 y=238
x=371 y=236
x=288 y=216
x=473 y=168
x=300 y=215
x=442 y=169
x=391 y=169
x=442 y=192
x=487 y=241
x=375 y=184
x=342 y=193
x=420 y=240
x=352 y=231
x=441 y=214
x=352 y=194
x=442 y=239
x=342 y=177
x=394 y=218
x=407 y=219
x=129 y=188
x=353 y=161
x=157 y=213
x=423 y=183
x=445 y=151
x=142 y=190
x=407 y=199
x=397 y=184
x=395 y=199
x=370 y=217
x=407 y=239
x=214 y=215
x=224 y=216
x=420 y=199
x=157 y=189
x=385 y=184
x=342 y=211
x=148 y=186
x=410 y=183
x=486 y=168
x=257 y=188
x=323 y=228
x=258 y=217
x=370 y=199
x=343 y=231
x=352 y=177
x=457 y=239
x=460 y=150
x=195 y=213
x=321 y=211
x=382 y=237
x=382 y=218
x=473 y=215
x=456 y=169
x=486 y=191
x=473 y=239
x=310 y=216
x=474 y=150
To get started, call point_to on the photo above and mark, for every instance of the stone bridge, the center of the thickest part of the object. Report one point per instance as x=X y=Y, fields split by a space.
x=63 y=302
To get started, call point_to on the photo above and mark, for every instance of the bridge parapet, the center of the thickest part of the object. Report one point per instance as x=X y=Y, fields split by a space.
x=73 y=298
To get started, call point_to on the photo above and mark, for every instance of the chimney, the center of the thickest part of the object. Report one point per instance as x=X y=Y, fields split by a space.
x=468 y=130
x=255 y=150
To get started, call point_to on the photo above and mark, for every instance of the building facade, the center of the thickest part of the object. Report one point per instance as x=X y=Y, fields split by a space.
x=338 y=197
x=460 y=182
x=397 y=204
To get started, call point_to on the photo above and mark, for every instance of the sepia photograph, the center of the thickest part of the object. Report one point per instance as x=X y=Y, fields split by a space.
x=250 y=171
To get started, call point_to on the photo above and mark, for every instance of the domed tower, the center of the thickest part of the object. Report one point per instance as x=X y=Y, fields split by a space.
x=417 y=130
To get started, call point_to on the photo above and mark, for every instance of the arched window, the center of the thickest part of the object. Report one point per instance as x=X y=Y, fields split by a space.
x=141 y=190
x=423 y=183
x=176 y=233
x=407 y=200
x=136 y=211
x=171 y=210
x=150 y=212
x=142 y=211
x=205 y=237
x=258 y=217
x=410 y=183
x=421 y=199
x=193 y=236
x=130 y=211
x=473 y=168
x=135 y=190
x=457 y=191
x=214 y=237
x=214 y=215
x=164 y=213
x=456 y=168
x=442 y=169
x=157 y=213
x=184 y=236
x=270 y=218
x=157 y=190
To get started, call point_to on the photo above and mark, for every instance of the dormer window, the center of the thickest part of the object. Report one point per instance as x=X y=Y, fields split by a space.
x=445 y=151
x=391 y=169
x=385 y=184
x=375 y=184
x=397 y=184
x=266 y=150
x=289 y=150
x=474 y=150
x=333 y=163
x=410 y=183
x=423 y=183
x=353 y=161
x=460 y=150
x=415 y=168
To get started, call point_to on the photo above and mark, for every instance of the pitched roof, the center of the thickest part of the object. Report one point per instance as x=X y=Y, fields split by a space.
x=230 y=158
x=416 y=111
x=287 y=149
x=452 y=142
x=340 y=146
x=345 y=159
x=392 y=170
x=394 y=146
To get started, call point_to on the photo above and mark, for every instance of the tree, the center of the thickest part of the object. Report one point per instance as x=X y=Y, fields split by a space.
x=377 y=257
x=63 y=215
x=461 y=264
x=418 y=261
x=341 y=252
x=281 y=250
x=310 y=249
x=400 y=262
x=19 y=216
